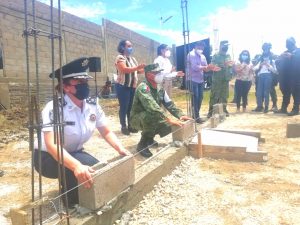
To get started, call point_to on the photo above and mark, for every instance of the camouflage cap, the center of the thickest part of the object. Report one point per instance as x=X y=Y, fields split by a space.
x=152 y=68
x=224 y=43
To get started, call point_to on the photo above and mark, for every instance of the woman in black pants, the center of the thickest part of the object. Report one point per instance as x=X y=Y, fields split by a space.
x=82 y=116
x=244 y=77
x=127 y=69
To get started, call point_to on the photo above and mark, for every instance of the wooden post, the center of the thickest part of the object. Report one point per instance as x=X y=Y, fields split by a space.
x=200 y=151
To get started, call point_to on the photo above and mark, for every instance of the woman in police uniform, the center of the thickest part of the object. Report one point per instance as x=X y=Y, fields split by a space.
x=81 y=117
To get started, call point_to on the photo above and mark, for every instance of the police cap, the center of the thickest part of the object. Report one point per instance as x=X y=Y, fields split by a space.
x=75 y=69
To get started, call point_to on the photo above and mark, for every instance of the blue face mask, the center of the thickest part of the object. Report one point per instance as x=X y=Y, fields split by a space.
x=244 y=57
x=129 y=50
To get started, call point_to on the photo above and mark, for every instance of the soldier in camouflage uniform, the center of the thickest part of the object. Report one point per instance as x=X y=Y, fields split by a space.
x=147 y=114
x=220 y=79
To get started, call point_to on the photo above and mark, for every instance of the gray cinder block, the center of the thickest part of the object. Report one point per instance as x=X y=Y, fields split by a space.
x=109 y=180
x=184 y=132
x=293 y=130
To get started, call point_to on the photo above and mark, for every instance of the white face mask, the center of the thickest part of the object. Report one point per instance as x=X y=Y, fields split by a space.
x=199 y=51
x=168 y=53
x=159 y=78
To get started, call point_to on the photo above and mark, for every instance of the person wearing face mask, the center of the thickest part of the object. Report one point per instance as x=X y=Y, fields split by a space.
x=147 y=114
x=127 y=71
x=220 y=78
x=196 y=65
x=81 y=116
x=168 y=72
x=265 y=70
x=244 y=78
x=285 y=70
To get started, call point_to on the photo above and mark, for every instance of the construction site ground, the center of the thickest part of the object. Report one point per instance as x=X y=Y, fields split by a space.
x=203 y=191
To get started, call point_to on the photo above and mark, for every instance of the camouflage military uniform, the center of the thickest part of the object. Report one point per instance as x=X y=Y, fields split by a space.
x=146 y=113
x=220 y=81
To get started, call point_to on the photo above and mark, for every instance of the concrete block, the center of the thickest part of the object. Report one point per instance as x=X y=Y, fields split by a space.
x=293 y=130
x=184 y=132
x=218 y=109
x=109 y=180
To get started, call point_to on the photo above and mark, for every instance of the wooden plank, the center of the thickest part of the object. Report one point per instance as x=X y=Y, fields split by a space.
x=243 y=157
x=229 y=146
x=223 y=149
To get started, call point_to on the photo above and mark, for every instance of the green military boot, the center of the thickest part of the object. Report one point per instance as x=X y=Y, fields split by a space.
x=142 y=147
x=152 y=143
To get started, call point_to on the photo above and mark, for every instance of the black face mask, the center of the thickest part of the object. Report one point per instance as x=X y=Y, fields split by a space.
x=224 y=48
x=82 y=91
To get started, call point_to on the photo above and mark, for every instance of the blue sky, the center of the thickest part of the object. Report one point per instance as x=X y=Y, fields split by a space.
x=245 y=23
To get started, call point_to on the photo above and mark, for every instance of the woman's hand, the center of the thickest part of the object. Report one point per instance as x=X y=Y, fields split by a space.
x=83 y=174
x=180 y=74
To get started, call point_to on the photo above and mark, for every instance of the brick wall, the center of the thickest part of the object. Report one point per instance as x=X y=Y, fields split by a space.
x=79 y=38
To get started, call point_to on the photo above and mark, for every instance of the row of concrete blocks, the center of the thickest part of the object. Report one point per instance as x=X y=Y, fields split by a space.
x=112 y=178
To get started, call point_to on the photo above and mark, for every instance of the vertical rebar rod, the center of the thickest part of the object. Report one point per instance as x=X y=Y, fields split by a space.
x=36 y=103
x=61 y=117
x=186 y=40
x=30 y=115
x=55 y=98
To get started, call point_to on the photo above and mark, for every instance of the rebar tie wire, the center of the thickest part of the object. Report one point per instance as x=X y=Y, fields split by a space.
x=31 y=31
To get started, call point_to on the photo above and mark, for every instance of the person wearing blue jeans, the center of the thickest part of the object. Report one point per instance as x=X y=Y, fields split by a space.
x=197 y=97
x=263 y=90
x=196 y=64
x=265 y=70
x=125 y=97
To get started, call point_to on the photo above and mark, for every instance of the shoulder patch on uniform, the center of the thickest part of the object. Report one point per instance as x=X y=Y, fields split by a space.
x=91 y=100
x=145 y=88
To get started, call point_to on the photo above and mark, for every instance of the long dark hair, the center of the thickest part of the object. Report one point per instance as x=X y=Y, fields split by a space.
x=160 y=48
x=121 y=46
x=242 y=53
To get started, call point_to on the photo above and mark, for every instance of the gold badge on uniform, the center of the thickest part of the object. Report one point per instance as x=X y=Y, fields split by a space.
x=93 y=117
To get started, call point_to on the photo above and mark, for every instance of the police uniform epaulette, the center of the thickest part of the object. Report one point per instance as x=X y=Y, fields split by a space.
x=91 y=100
x=62 y=101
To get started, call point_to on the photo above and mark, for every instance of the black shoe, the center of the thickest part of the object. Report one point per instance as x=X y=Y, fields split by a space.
x=152 y=143
x=132 y=130
x=209 y=114
x=293 y=113
x=200 y=121
x=142 y=147
x=281 y=111
x=1 y=173
x=146 y=153
x=274 y=108
x=257 y=109
x=266 y=110
x=125 y=131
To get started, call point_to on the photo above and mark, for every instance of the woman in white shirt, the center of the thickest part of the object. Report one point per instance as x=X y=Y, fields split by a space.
x=81 y=116
x=169 y=72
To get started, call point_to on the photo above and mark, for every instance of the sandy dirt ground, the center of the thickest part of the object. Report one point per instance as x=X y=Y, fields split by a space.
x=273 y=186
